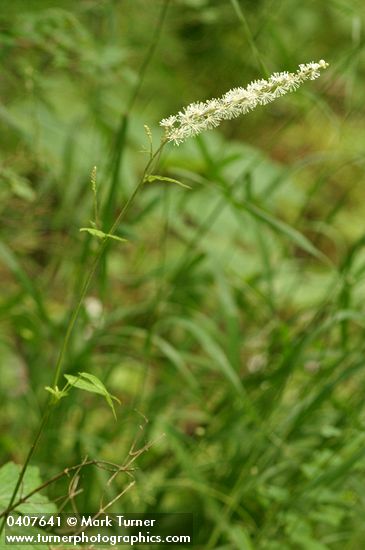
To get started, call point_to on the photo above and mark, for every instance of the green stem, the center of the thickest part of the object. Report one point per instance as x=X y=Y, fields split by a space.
x=95 y=263
x=121 y=134
x=71 y=325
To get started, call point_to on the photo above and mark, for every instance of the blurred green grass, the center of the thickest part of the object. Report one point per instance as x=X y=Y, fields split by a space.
x=233 y=320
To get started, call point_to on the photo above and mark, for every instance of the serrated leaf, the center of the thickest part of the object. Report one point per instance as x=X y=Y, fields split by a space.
x=92 y=384
x=101 y=235
x=37 y=503
x=151 y=179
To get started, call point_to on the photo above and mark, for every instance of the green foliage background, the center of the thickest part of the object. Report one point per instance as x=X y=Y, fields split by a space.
x=232 y=321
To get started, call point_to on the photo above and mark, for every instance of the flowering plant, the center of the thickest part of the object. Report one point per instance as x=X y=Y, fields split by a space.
x=205 y=115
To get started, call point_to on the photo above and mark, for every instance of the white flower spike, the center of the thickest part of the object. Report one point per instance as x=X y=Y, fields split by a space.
x=201 y=116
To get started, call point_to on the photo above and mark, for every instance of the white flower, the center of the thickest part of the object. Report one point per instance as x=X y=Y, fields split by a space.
x=201 y=116
x=168 y=122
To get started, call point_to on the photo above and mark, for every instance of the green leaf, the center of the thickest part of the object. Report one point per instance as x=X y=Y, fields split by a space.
x=101 y=235
x=281 y=227
x=36 y=504
x=176 y=358
x=92 y=384
x=151 y=179
x=213 y=350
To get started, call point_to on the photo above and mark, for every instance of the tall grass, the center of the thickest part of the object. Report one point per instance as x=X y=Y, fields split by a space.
x=232 y=320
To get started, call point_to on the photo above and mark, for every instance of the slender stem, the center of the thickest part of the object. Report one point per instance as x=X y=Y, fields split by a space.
x=87 y=282
x=121 y=134
x=71 y=325
x=94 y=265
